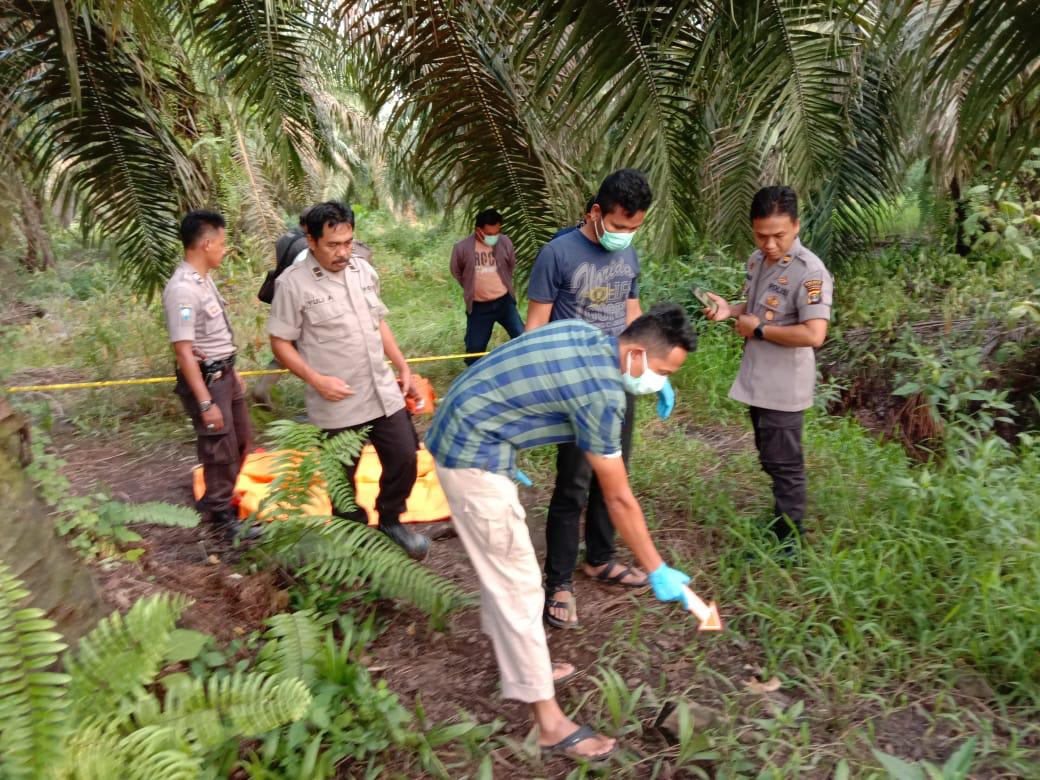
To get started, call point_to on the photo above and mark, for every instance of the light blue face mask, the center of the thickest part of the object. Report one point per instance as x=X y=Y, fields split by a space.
x=612 y=242
x=646 y=383
x=489 y=240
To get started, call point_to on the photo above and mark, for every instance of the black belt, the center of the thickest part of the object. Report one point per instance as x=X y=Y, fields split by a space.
x=224 y=364
x=212 y=370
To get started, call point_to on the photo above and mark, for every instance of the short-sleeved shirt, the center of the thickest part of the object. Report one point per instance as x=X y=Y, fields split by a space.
x=334 y=319
x=196 y=312
x=584 y=281
x=487 y=282
x=792 y=290
x=559 y=383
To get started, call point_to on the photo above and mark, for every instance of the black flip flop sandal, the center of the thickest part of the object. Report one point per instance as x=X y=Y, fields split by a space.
x=617 y=579
x=567 y=677
x=571 y=607
x=580 y=735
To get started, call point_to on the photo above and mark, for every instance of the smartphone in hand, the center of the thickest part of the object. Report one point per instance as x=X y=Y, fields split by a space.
x=702 y=296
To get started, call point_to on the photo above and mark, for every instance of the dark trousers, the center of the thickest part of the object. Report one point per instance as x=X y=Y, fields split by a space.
x=481 y=321
x=220 y=452
x=577 y=489
x=778 y=438
x=396 y=442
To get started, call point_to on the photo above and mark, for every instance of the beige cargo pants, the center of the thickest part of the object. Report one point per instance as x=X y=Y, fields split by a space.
x=490 y=522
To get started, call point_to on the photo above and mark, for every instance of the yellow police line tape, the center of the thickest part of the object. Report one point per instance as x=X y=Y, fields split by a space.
x=155 y=380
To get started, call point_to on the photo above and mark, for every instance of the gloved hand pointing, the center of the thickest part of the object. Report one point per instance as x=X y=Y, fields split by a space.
x=668 y=584
x=665 y=400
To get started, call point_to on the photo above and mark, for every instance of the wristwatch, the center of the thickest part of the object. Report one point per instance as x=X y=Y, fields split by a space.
x=205 y=405
x=759 y=333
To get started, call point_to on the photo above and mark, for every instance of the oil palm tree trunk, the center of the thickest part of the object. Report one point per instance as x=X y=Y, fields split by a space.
x=59 y=581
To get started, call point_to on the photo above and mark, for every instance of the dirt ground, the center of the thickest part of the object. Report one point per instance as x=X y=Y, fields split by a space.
x=454 y=670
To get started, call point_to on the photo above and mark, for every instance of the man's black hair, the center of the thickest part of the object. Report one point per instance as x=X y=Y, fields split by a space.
x=588 y=205
x=775 y=201
x=327 y=214
x=661 y=329
x=627 y=188
x=488 y=217
x=197 y=223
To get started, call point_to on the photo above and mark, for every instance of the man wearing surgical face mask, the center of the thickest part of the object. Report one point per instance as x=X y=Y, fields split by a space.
x=592 y=274
x=483 y=264
x=515 y=398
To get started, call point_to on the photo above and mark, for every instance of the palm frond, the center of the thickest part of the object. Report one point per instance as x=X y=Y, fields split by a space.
x=111 y=150
x=260 y=214
x=990 y=48
x=259 y=50
x=457 y=114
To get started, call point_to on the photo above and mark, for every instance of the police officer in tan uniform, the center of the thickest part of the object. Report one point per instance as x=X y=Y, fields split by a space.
x=329 y=306
x=783 y=319
x=211 y=391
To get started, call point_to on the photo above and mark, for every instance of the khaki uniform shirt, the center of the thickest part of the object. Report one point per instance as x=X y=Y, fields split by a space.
x=195 y=312
x=794 y=289
x=334 y=320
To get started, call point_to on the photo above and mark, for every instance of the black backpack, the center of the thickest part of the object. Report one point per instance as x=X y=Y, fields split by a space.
x=295 y=244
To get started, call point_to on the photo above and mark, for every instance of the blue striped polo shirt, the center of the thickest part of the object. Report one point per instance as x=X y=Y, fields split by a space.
x=559 y=383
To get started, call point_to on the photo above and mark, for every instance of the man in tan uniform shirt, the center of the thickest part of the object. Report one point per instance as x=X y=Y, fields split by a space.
x=329 y=306
x=783 y=319
x=209 y=387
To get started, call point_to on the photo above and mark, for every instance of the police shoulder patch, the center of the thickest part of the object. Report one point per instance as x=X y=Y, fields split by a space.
x=185 y=311
x=814 y=290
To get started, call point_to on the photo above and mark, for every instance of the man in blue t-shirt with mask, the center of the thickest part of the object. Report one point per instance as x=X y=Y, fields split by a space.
x=590 y=274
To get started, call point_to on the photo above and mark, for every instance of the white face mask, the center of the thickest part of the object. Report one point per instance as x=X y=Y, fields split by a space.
x=646 y=383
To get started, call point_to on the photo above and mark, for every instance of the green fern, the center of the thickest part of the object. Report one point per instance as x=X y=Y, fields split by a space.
x=208 y=713
x=153 y=512
x=294 y=643
x=32 y=700
x=310 y=457
x=121 y=655
x=100 y=752
x=343 y=554
x=329 y=551
x=337 y=453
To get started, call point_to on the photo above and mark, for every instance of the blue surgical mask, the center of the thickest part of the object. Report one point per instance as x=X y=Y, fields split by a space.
x=646 y=383
x=612 y=242
x=489 y=240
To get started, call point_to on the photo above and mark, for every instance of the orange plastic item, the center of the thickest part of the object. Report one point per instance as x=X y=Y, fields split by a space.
x=424 y=403
x=426 y=504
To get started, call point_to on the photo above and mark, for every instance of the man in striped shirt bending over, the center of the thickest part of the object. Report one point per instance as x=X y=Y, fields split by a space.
x=564 y=382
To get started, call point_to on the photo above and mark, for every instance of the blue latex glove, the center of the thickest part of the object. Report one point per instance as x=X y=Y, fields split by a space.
x=523 y=479
x=665 y=400
x=668 y=583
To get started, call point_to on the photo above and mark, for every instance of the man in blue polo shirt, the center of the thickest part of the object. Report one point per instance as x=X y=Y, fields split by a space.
x=590 y=274
x=565 y=382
